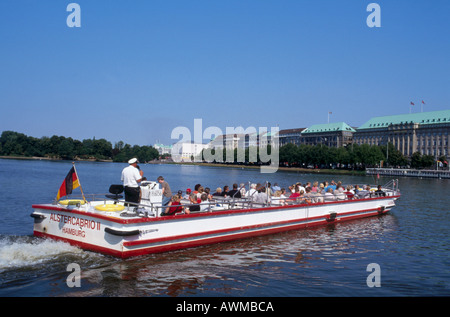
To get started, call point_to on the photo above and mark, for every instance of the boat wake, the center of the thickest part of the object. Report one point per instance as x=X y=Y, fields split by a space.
x=22 y=251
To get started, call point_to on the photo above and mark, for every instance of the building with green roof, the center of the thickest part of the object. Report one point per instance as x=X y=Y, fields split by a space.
x=424 y=132
x=330 y=134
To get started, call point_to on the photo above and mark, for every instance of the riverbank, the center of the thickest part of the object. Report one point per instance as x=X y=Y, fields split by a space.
x=224 y=165
x=280 y=169
x=51 y=159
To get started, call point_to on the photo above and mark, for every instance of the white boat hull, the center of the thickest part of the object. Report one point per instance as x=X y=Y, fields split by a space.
x=112 y=234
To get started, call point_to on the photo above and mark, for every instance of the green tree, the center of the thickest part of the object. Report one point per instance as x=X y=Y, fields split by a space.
x=66 y=149
x=428 y=161
x=416 y=160
x=287 y=153
x=394 y=156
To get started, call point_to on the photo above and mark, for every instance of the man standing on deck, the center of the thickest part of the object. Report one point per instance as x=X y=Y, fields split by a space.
x=131 y=176
x=166 y=192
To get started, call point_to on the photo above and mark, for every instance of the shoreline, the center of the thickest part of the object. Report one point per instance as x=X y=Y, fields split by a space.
x=280 y=168
x=43 y=158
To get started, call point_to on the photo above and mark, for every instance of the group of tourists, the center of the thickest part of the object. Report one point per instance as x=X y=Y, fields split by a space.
x=201 y=198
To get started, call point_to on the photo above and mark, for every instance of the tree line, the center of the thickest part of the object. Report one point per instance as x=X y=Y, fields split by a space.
x=353 y=156
x=60 y=147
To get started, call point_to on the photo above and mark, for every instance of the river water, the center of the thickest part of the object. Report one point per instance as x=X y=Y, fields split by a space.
x=410 y=244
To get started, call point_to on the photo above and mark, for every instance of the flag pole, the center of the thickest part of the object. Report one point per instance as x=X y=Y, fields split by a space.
x=79 y=183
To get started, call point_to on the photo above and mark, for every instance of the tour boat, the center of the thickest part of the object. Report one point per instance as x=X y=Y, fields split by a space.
x=108 y=225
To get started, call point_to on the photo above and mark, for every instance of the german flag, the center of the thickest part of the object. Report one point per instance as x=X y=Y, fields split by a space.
x=70 y=182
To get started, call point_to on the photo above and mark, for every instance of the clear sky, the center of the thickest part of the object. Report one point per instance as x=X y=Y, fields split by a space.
x=135 y=70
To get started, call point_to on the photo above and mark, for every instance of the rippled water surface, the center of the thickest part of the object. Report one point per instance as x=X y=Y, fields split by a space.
x=410 y=244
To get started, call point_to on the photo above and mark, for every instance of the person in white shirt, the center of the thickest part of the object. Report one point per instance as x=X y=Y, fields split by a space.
x=328 y=196
x=131 y=177
x=262 y=197
x=252 y=192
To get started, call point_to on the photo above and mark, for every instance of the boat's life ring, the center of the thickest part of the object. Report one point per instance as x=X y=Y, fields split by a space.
x=67 y=202
x=110 y=207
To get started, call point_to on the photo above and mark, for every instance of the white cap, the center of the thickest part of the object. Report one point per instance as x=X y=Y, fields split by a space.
x=133 y=160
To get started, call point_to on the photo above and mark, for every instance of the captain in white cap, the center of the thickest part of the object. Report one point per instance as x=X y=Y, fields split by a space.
x=131 y=177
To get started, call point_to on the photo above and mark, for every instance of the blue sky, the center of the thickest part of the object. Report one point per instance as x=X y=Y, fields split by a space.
x=135 y=70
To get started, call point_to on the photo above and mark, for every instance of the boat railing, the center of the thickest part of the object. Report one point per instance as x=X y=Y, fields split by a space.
x=229 y=203
x=148 y=208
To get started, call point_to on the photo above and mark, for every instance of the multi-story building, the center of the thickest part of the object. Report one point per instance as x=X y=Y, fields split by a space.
x=187 y=151
x=163 y=149
x=425 y=132
x=292 y=136
x=331 y=134
x=229 y=141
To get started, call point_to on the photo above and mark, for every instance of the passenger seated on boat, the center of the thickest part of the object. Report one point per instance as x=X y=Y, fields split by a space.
x=200 y=192
x=379 y=192
x=301 y=198
x=194 y=203
x=234 y=193
x=275 y=187
x=188 y=193
x=363 y=193
x=370 y=191
x=321 y=189
x=318 y=198
x=251 y=194
x=339 y=193
x=204 y=205
x=196 y=188
x=309 y=197
x=328 y=196
x=225 y=191
x=218 y=192
x=295 y=194
x=208 y=193
x=300 y=187
x=269 y=189
x=277 y=199
x=315 y=187
x=349 y=192
x=291 y=189
x=174 y=206
x=262 y=197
